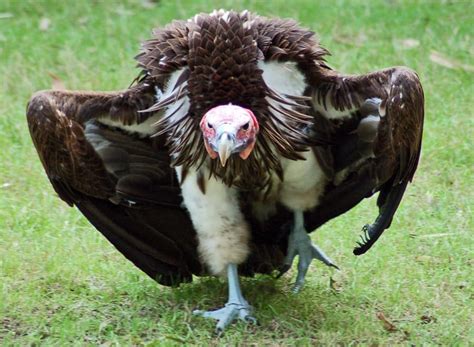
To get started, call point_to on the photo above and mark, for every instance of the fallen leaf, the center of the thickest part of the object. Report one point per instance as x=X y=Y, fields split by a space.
x=175 y=338
x=439 y=235
x=387 y=325
x=429 y=198
x=336 y=286
x=450 y=63
x=350 y=40
x=407 y=43
x=56 y=82
x=6 y=15
x=337 y=281
x=122 y=11
x=44 y=24
x=425 y=259
x=83 y=20
x=148 y=4
x=425 y=319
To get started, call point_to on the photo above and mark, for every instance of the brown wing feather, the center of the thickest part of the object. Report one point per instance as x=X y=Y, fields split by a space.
x=395 y=144
x=401 y=126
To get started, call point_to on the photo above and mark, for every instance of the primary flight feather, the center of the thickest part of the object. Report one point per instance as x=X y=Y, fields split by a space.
x=236 y=140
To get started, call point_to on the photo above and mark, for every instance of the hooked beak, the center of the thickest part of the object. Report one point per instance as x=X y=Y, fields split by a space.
x=229 y=130
x=225 y=145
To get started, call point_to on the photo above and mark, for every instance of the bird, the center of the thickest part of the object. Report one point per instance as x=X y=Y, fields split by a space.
x=235 y=141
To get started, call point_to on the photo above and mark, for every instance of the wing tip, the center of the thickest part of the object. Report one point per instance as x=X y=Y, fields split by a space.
x=37 y=102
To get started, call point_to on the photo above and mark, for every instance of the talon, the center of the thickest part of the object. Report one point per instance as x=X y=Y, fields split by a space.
x=283 y=269
x=251 y=320
x=296 y=288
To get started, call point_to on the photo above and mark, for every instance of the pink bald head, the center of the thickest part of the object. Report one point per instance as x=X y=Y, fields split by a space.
x=229 y=129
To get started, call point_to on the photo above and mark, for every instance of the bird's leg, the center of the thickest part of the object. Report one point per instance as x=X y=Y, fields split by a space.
x=299 y=243
x=236 y=306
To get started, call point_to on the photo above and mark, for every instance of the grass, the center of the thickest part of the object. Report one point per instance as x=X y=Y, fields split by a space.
x=61 y=283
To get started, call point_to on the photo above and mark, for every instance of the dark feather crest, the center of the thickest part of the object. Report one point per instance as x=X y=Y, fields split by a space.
x=219 y=53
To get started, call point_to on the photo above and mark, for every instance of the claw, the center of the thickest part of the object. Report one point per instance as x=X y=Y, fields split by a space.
x=282 y=270
x=227 y=314
x=297 y=288
x=251 y=320
x=320 y=255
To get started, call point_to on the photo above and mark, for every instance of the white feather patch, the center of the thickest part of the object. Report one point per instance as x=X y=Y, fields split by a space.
x=168 y=89
x=144 y=129
x=303 y=183
x=304 y=180
x=329 y=111
x=221 y=228
x=182 y=104
x=285 y=78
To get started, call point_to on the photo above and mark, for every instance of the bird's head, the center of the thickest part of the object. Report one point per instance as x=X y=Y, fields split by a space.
x=228 y=130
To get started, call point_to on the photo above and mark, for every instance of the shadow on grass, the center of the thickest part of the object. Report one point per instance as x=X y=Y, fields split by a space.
x=278 y=311
x=130 y=306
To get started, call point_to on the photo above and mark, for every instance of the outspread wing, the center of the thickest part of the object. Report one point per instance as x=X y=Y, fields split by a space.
x=119 y=182
x=375 y=122
x=123 y=183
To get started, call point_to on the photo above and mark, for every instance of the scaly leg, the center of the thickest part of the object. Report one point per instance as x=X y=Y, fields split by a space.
x=236 y=306
x=299 y=243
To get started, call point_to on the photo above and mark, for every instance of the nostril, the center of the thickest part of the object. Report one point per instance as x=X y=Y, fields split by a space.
x=209 y=125
x=246 y=126
x=225 y=136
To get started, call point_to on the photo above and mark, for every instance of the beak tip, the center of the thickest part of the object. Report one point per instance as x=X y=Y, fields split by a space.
x=223 y=161
x=225 y=146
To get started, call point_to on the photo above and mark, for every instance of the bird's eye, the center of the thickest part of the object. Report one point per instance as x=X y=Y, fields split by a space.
x=209 y=125
x=246 y=126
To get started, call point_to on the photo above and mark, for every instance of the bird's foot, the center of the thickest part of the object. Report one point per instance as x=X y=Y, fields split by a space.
x=230 y=312
x=236 y=308
x=299 y=243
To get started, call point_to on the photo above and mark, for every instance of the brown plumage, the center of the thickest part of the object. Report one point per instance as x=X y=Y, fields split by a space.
x=123 y=182
x=219 y=57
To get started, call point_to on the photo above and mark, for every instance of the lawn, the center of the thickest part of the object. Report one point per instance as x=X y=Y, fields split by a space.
x=61 y=283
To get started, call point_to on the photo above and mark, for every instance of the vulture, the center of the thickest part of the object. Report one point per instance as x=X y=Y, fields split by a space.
x=233 y=143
